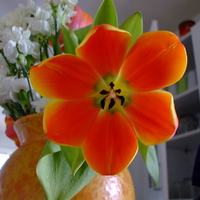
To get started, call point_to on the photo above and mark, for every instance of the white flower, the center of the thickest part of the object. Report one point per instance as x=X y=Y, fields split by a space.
x=39 y=23
x=5 y=85
x=4 y=98
x=35 y=95
x=17 y=17
x=63 y=6
x=14 y=39
x=10 y=51
x=29 y=9
x=68 y=9
x=13 y=96
x=64 y=2
x=36 y=51
x=40 y=104
x=3 y=67
x=19 y=84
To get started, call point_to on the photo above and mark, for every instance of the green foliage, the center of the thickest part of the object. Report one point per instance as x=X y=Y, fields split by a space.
x=81 y=33
x=56 y=177
x=69 y=38
x=23 y=98
x=134 y=25
x=106 y=14
x=150 y=158
x=56 y=45
x=74 y=157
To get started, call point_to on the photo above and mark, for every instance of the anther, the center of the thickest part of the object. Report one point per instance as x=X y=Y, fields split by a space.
x=103 y=103
x=111 y=104
x=103 y=92
x=111 y=95
x=118 y=91
x=122 y=100
x=112 y=85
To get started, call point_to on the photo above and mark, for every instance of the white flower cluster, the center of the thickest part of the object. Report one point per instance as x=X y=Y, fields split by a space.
x=24 y=41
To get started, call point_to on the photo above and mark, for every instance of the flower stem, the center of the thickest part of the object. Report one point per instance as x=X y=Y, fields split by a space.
x=40 y=53
x=56 y=40
x=46 y=49
x=29 y=85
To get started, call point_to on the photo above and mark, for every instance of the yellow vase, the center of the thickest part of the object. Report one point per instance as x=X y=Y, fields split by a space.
x=18 y=180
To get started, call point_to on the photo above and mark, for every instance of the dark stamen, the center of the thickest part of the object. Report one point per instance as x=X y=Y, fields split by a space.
x=111 y=104
x=103 y=103
x=118 y=91
x=112 y=85
x=103 y=92
x=122 y=99
x=112 y=95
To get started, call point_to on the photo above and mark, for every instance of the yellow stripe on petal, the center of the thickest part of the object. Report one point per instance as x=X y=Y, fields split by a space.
x=153 y=116
x=111 y=144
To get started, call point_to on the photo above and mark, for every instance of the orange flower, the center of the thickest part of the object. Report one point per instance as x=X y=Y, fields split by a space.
x=106 y=96
x=10 y=132
x=80 y=20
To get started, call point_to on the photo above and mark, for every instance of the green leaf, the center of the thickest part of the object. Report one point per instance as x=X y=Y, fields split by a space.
x=81 y=33
x=55 y=175
x=56 y=46
x=106 y=14
x=134 y=25
x=150 y=158
x=69 y=37
x=50 y=148
x=74 y=157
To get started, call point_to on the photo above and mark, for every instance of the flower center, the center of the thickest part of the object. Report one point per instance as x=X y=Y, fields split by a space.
x=111 y=95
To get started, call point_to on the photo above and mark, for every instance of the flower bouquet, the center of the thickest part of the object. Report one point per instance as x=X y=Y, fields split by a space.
x=98 y=84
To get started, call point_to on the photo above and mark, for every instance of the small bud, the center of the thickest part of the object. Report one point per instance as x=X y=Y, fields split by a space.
x=21 y=60
x=40 y=38
x=55 y=11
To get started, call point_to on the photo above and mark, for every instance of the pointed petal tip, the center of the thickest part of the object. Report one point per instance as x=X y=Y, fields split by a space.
x=111 y=144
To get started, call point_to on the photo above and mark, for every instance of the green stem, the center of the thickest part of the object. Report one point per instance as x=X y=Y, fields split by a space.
x=56 y=40
x=11 y=112
x=10 y=66
x=40 y=53
x=46 y=49
x=29 y=85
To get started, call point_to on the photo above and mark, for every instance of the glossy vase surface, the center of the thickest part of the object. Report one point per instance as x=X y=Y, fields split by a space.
x=18 y=179
x=117 y=187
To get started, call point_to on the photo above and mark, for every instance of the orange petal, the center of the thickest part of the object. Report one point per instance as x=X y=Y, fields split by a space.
x=10 y=132
x=111 y=144
x=105 y=48
x=80 y=20
x=153 y=116
x=67 y=122
x=157 y=59
x=63 y=77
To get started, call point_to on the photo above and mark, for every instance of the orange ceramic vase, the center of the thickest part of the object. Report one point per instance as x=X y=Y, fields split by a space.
x=118 y=187
x=18 y=180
